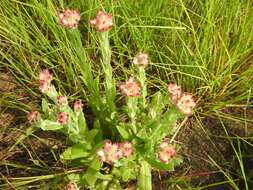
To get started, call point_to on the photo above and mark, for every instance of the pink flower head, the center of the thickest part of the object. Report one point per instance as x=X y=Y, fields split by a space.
x=45 y=78
x=45 y=75
x=61 y=100
x=103 y=21
x=78 y=106
x=111 y=152
x=44 y=86
x=33 y=116
x=130 y=88
x=166 y=152
x=71 y=186
x=174 y=91
x=69 y=18
x=186 y=104
x=127 y=149
x=63 y=118
x=141 y=59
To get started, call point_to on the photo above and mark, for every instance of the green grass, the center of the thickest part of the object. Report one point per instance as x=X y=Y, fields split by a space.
x=205 y=46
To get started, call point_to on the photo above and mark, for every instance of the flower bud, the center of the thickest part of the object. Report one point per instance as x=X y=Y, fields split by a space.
x=63 y=118
x=62 y=100
x=78 y=106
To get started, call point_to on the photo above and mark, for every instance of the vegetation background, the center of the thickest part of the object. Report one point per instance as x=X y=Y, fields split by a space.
x=205 y=46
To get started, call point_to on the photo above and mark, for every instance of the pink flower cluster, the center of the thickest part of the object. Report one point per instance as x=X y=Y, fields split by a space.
x=103 y=21
x=69 y=18
x=45 y=80
x=166 y=152
x=130 y=88
x=63 y=118
x=78 y=106
x=184 y=101
x=141 y=59
x=112 y=152
x=62 y=100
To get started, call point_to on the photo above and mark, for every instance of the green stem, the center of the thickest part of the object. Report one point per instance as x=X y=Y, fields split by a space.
x=132 y=109
x=85 y=69
x=110 y=88
x=145 y=178
x=110 y=85
x=142 y=78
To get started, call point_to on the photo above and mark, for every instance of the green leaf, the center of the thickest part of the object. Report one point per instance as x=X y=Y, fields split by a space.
x=73 y=177
x=104 y=177
x=74 y=152
x=145 y=179
x=91 y=135
x=102 y=185
x=171 y=116
x=123 y=132
x=92 y=173
x=82 y=123
x=45 y=107
x=159 y=165
x=162 y=128
x=126 y=173
x=158 y=102
x=48 y=125
x=177 y=161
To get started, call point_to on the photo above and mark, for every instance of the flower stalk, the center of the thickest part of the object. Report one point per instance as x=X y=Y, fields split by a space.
x=141 y=60
x=142 y=79
x=106 y=66
x=132 y=106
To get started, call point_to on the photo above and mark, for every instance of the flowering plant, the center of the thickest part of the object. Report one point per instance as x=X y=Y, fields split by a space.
x=124 y=143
